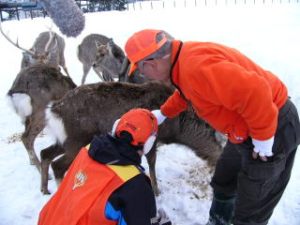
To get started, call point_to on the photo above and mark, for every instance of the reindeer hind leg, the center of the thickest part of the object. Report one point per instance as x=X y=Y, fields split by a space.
x=60 y=166
x=47 y=155
x=33 y=126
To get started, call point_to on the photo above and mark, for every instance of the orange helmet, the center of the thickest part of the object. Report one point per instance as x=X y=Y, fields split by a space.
x=141 y=45
x=140 y=123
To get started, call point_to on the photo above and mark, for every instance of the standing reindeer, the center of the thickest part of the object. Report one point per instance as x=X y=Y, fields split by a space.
x=101 y=53
x=30 y=94
x=34 y=87
x=92 y=109
x=48 y=48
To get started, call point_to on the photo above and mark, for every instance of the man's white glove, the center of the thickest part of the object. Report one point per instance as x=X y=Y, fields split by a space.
x=159 y=116
x=263 y=148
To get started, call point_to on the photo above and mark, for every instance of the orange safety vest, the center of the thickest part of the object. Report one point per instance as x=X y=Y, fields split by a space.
x=229 y=91
x=82 y=196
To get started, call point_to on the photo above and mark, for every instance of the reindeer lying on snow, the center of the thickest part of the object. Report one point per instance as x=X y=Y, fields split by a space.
x=32 y=90
x=92 y=109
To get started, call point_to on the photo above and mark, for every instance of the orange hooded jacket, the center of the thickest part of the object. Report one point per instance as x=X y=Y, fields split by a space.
x=81 y=198
x=226 y=89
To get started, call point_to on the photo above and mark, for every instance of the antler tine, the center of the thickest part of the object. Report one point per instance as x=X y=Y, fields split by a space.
x=52 y=36
x=13 y=43
x=49 y=41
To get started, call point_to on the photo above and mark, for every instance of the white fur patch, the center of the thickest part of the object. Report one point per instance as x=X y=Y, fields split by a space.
x=113 y=131
x=149 y=144
x=55 y=125
x=21 y=103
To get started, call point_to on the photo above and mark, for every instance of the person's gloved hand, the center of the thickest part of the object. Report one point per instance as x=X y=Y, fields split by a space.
x=159 y=116
x=163 y=219
x=263 y=149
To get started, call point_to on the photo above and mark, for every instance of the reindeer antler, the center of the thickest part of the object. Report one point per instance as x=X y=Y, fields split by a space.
x=13 y=43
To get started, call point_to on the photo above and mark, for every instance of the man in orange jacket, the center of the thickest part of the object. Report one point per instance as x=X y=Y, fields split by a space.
x=106 y=183
x=238 y=98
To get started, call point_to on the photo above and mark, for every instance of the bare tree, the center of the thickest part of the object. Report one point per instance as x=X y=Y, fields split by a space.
x=92 y=109
x=101 y=53
x=34 y=87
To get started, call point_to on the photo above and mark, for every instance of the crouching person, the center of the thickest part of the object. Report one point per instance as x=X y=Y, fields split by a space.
x=106 y=183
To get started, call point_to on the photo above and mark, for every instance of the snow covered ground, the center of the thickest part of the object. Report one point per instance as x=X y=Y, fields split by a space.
x=269 y=34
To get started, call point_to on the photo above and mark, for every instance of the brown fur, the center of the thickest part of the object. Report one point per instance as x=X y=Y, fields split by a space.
x=101 y=53
x=92 y=109
x=42 y=83
x=53 y=56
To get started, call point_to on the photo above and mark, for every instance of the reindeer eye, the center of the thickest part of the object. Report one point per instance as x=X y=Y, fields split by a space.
x=100 y=55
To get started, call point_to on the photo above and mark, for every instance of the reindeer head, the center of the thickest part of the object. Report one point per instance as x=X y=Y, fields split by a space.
x=33 y=56
x=31 y=59
x=105 y=60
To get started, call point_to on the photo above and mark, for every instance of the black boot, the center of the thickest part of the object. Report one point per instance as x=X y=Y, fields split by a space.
x=221 y=210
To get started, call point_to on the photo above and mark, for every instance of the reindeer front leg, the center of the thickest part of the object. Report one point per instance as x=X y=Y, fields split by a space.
x=151 y=159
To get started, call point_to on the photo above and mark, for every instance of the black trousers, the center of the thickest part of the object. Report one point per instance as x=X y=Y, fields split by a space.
x=257 y=185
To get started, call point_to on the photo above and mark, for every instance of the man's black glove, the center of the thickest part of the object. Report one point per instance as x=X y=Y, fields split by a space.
x=161 y=219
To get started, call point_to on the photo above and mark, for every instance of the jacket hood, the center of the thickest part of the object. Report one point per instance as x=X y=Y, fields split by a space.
x=106 y=149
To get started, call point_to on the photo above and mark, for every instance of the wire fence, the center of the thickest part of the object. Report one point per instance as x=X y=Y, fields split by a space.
x=18 y=12
x=161 y=4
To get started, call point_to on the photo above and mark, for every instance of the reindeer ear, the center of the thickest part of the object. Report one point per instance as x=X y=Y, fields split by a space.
x=110 y=41
x=98 y=44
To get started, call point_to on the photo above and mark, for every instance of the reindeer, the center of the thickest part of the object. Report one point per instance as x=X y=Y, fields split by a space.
x=92 y=109
x=30 y=93
x=48 y=48
x=34 y=87
x=101 y=53
x=136 y=77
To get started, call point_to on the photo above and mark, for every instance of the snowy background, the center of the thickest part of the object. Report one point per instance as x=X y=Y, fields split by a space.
x=267 y=33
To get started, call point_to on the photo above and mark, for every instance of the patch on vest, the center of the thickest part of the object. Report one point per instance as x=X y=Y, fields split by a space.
x=79 y=179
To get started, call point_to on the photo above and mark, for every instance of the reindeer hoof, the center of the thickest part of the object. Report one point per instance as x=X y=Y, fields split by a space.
x=156 y=191
x=45 y=191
